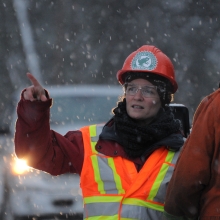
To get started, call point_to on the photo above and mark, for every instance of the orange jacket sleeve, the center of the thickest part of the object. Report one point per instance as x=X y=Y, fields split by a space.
x=195 y=182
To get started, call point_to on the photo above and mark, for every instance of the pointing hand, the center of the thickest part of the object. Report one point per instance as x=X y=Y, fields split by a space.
x=36 y=91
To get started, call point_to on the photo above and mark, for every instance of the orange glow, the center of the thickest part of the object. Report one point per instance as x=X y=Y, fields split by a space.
x=20 y=167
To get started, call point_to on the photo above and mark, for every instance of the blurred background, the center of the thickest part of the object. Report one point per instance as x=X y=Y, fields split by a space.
x=81 y=42
x=75 y=43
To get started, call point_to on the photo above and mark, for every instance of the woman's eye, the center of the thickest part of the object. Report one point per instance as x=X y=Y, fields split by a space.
x=147 y=90
x=131 y=89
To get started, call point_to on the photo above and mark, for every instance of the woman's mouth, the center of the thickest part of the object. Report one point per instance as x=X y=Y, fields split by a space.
x=137 y=107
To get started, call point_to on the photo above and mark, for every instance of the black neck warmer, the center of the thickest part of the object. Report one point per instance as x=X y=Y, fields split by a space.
x=137 y=139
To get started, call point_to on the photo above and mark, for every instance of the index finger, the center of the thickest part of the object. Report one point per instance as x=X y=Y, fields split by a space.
x=33 y=79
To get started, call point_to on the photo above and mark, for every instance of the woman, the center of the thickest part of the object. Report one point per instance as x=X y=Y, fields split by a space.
x=125 y=165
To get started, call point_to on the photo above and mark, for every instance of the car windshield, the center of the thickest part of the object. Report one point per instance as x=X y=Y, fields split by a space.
x=82 y=109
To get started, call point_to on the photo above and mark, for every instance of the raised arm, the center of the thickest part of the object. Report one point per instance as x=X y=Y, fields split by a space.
x=43 y=148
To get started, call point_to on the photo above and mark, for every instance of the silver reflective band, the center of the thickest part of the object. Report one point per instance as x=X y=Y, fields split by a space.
x=146 y=91
x=109 y=210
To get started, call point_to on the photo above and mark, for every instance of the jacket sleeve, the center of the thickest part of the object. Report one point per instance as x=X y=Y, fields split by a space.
x=42 y=148
x=192 y=172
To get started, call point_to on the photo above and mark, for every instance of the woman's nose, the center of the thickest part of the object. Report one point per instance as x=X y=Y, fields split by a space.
x=138 y=95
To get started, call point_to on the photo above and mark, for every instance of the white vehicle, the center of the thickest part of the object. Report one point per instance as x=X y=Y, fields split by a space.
x=74 y=107
x=33 y=194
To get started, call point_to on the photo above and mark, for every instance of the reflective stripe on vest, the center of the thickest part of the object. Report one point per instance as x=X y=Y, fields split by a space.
x=112 y=188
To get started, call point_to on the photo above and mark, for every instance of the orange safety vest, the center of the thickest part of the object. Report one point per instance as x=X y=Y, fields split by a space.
x=113 y=189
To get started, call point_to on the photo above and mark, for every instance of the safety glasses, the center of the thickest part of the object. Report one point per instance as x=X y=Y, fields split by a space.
x=146 y=91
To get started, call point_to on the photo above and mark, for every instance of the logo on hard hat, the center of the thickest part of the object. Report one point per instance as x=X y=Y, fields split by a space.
x=144 y=60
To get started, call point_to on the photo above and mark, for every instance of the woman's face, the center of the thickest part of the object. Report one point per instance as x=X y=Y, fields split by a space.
x=144 y=103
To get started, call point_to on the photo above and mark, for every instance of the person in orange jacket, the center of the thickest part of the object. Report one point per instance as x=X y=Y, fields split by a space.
x=124 y=165
x=194 y=190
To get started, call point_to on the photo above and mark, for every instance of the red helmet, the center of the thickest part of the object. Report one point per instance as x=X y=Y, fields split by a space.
x=149 y=59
